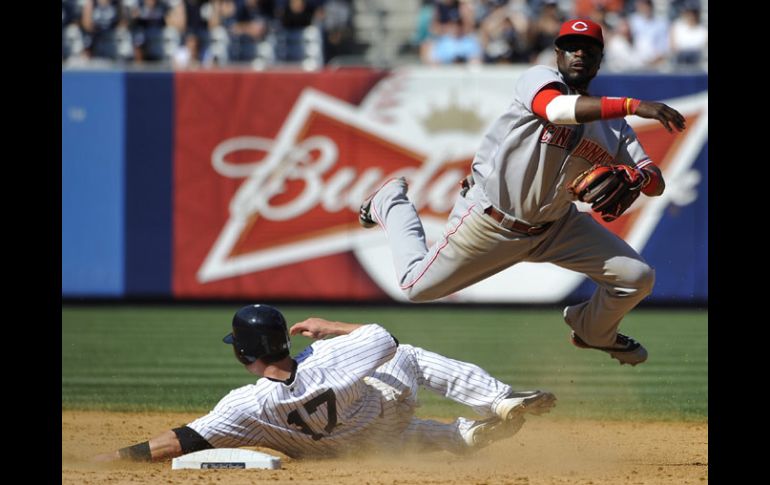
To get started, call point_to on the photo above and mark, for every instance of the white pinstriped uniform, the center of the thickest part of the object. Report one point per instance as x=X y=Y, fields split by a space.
x=523 y=168
x=352 y=392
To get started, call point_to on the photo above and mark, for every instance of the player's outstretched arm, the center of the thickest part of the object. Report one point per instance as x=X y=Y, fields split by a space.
x=164 y=446
x=317 y=328
x=551 y=104
x=591 y=108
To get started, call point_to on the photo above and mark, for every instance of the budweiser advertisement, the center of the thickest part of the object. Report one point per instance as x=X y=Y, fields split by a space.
x=269 y=173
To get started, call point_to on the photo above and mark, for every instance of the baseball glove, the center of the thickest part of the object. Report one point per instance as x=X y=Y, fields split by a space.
x=610 y=189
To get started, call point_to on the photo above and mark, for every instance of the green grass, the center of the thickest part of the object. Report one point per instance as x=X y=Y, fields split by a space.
x=171 y=358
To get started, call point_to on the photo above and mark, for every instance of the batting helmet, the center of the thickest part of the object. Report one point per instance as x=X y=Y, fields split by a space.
x=259 y=332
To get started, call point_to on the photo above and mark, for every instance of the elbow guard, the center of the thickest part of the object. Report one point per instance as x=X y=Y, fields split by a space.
x=561 y=109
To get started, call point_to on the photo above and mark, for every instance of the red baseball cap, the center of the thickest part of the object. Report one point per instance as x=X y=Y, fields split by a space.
x=583 y=28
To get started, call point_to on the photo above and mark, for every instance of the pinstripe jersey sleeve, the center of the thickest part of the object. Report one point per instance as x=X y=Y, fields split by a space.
x=359 y=352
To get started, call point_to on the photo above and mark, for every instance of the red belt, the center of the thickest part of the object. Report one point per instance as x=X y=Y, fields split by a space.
x=515 y=225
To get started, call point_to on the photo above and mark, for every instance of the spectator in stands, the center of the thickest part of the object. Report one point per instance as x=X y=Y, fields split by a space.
x=650 y=34
x=187 y=55
x=619 y=51
x=442 y=11
x=456 y=45
x=543 y=32
x=147 y=24
x=293 y=17
x=221 y=17
x=337 y=28
x=68 y=12
x=689 y=39
x=446 y=11
x=500 y=40
x=100 y=21
x=70 y=31
x=197 y=13
x=589 y=8
x=151 y=20
x=422 y=32
x=249 y=28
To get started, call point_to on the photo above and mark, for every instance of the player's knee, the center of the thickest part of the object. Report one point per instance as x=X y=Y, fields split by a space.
x=640 y=276
x=646 y=279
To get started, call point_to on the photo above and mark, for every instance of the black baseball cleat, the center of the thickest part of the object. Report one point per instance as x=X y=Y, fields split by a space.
x=626 y=350
x=365 y=211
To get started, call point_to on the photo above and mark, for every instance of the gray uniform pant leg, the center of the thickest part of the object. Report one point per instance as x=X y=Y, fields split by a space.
x=581 y=244
x=472 y=248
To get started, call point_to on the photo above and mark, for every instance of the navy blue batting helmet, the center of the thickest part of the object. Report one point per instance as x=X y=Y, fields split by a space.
x=259 y=332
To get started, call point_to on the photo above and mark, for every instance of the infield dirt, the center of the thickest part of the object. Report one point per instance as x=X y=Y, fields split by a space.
x=546 y=451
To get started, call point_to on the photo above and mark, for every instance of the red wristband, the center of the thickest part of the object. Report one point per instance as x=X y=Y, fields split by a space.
x=651 y=187
x=618 y=107
x=613 y=107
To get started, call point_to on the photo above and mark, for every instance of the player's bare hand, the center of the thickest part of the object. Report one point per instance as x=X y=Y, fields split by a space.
x=313 y=327
x=316 y=328
x=670 y=118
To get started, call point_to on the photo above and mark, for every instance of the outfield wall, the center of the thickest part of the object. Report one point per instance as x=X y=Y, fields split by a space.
x=246 y=185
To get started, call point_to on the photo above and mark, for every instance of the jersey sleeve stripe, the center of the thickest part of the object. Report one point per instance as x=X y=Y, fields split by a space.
x=643 y=163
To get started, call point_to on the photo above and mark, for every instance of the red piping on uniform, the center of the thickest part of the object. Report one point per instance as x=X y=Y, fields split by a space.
x=446 y=241
x=371 y=207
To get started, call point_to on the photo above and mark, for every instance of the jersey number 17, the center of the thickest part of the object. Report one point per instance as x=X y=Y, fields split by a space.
x=327 y=397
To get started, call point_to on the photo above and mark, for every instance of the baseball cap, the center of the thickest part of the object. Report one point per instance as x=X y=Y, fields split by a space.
x=581 y=28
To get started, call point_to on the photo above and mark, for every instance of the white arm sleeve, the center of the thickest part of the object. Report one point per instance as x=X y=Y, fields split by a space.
x=561 y=109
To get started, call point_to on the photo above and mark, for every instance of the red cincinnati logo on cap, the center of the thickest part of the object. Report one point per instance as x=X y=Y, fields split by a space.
x=580 y=26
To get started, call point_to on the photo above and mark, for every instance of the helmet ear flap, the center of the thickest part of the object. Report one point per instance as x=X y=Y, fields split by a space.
x=243 y=359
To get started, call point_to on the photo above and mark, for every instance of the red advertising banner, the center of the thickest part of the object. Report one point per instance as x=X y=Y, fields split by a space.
x=270 y=170
x=225 y=125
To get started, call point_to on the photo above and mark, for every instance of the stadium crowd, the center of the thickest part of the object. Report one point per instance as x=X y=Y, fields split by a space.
x=640 y=35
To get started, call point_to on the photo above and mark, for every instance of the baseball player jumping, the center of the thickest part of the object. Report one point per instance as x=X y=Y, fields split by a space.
x=517 y=202
x=353 y=392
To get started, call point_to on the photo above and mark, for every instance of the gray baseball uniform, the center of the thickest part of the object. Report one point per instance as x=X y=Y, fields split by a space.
x=350 y=393
x=522 y=170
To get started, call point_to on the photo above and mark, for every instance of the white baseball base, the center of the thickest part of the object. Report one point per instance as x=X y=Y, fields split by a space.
x=225 y=458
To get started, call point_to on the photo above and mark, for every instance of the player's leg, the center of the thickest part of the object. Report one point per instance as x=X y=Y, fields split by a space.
x=459 y=381
x=469 y=384
x=430 y=435
x=473 y=247
x=460 y=436
x=472 y=386
x=623 y=277
x=463 y=382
